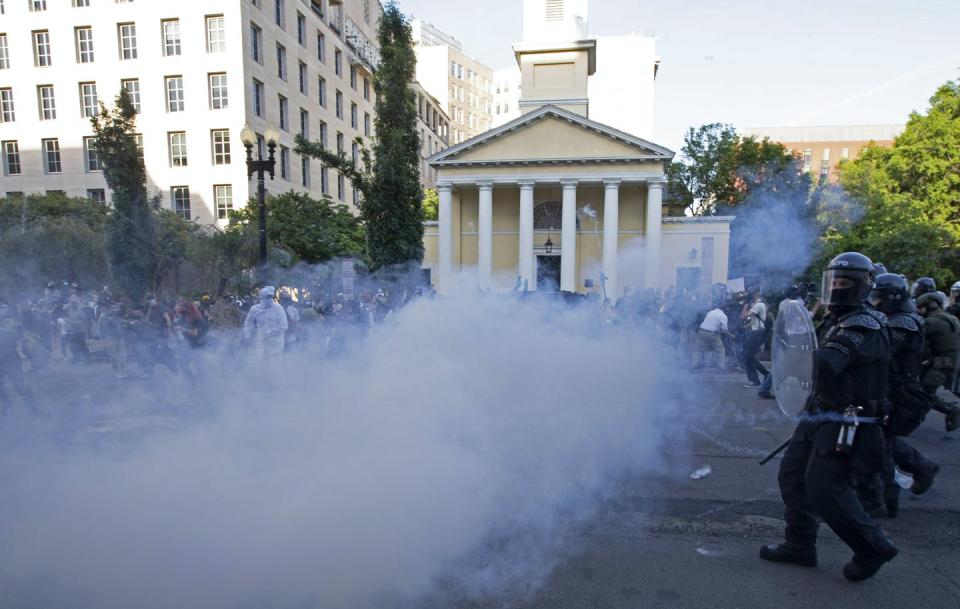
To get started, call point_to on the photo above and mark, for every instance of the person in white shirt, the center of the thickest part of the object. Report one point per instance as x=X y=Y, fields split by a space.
x=710 y=338
x=266 y=324
x=755 y=315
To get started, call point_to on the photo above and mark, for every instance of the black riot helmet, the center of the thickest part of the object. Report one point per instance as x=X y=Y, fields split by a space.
x=923 y=285
x=891 y=294
x=879 y=269
x=931 y=302
x=847 y=280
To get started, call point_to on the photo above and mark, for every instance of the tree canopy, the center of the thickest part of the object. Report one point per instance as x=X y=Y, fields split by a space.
x=908 y=195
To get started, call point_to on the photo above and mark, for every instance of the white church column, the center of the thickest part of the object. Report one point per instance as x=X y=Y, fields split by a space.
x=445 y=239
x=568 y=245
x=485 y=236
x=611 y=234
x=525 y=262
x=654 y=222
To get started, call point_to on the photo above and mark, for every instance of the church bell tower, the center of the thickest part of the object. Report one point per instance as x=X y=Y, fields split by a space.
x=556 y=56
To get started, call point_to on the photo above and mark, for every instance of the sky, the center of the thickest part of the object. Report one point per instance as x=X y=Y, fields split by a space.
x=754 y=63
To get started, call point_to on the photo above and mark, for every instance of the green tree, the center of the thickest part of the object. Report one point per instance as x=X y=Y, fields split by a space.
x=311 y=230
x=431 y=204
x=910 y=195
x=131 y=242
x=717 y=168
x=391 y=204
x=51 y=237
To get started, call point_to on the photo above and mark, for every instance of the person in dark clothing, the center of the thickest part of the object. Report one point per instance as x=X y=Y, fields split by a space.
x=192 y=327
x=907 y=403
x=816 y=471
x=754 y=314
x=942 y=340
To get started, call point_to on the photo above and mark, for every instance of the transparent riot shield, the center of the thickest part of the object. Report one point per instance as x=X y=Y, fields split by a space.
x=794 y=348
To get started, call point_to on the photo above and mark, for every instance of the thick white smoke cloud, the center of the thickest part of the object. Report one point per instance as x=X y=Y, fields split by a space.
x=451 y=453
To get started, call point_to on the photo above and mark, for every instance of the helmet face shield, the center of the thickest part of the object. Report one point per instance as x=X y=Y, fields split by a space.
x=843 y=287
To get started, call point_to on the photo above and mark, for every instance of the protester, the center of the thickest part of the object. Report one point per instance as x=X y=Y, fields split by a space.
x=754 y=314
x=710 y=333
x=11 y=358
x=266 y=325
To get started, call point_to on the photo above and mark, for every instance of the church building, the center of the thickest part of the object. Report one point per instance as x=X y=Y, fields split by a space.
x=558 y=201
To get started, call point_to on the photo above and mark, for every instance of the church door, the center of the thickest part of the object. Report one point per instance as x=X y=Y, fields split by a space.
x=548 y=273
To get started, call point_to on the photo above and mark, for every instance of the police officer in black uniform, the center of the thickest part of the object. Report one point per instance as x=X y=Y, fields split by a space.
x=923 y=286
x=908 y=403
x=827 y=446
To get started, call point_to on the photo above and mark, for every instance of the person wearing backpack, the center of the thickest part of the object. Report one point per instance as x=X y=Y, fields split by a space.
x=754 y=314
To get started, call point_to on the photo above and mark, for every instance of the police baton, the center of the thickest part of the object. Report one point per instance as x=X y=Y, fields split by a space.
x=776 y=451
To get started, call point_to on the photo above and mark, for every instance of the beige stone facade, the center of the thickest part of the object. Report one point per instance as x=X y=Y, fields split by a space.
x=433 y=127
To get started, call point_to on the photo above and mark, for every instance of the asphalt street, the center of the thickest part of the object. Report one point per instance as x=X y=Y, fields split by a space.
x=662 y=541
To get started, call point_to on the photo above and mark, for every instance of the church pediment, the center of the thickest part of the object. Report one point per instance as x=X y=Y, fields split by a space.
x=550 y=135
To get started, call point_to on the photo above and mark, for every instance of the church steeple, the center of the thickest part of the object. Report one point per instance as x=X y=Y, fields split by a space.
x=556 y=56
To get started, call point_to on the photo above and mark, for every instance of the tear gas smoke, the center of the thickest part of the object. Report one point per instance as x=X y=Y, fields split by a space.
x=451 y=454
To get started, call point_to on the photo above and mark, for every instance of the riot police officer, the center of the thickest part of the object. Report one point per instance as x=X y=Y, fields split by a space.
x=908 y=403
x=827 y=445
x=922 y=286
x=942 y=338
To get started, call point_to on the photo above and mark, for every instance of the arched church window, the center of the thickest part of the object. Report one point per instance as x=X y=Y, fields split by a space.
x=549 y=216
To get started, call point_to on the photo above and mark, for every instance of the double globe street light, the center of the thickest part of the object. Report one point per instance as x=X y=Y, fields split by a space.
x=259 y=166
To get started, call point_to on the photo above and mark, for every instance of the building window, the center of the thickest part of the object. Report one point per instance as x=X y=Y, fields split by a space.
x=284 y=162
x=170 y=31
x=281 y=62
x=97 y=195
x=807 y=159
x=180 y=195
x=216 y=35
x=177 y=143
x=353 y=77
x=366 y=124
x=89 y=102
x=90 y=156
x=366 y=88
x=37 y=5
x=278 y=13
x=256 y=43
x=321 y=47
x=301 y=29
x=324 y=181
x=174 y=93
x=354 y=120
x=284 y=109
x=341 y=187
x=220 y=144
x=11 y=158
x=257 y=98
x=844 y=154
x=322 y=91
x=554 y=10
x=825 y=163
x=4 y=53
x=218 y=91
x=6 y=105
x=132 y=87
x=339 y=143
x=81 y=3
x=51 y=156
x=127 y=33
x=302 y=77
x=355 y=153
x=223 y=196
x=41 y=49
x=304 y=123
x=84 y=36
x=339 y=105
x=338 y=62
x=138 y=138
x=323 y=134
x=305 y=172
x=46 y=103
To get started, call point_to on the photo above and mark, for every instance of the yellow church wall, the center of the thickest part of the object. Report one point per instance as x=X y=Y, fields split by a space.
x=554 y=75
x=549 y=138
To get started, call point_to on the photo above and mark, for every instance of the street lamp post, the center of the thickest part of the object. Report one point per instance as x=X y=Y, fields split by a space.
x=259 y=166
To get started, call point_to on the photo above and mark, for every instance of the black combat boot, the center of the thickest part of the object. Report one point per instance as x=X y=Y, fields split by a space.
x=788 y=553
x=951 y=418
x=891 y=498
x=860 y=568
x=923 y=478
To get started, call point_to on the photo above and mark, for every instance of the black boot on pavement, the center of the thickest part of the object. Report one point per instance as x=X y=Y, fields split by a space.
x=860 y=568
x=923 y=479
x=786 y=553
